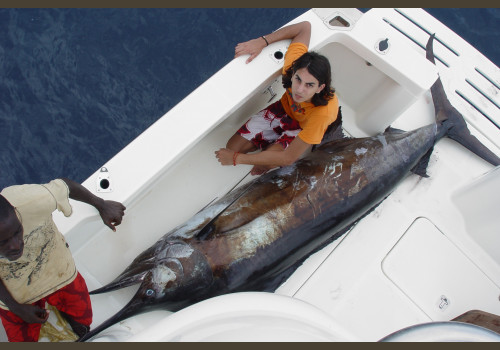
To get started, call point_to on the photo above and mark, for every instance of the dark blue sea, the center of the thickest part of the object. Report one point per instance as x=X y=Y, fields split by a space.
x=77 y=85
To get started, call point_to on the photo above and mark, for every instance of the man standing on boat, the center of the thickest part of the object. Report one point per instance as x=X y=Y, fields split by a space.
x=308 y=106
x=36 y=265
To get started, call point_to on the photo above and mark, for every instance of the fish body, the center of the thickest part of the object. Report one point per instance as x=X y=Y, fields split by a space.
x=288 y=213
x=254 y=237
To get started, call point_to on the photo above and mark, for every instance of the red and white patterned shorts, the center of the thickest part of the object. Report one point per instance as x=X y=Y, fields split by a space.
x=271 y=125
x=73 y=299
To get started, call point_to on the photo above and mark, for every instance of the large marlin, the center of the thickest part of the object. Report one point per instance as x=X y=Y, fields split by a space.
x=253 y=238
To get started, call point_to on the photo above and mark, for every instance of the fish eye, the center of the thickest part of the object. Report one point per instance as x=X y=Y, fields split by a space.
x=150 y=292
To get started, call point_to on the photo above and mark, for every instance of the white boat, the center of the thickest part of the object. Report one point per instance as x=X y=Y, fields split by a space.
x=428 y=254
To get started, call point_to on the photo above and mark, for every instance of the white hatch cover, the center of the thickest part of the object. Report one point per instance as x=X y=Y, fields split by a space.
x=431 y=271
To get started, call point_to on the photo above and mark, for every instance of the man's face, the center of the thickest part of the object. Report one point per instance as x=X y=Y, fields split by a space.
x=304 y=86
x=11 y=237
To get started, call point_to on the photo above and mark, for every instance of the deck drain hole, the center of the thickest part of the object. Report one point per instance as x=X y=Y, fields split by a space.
x=104 y=184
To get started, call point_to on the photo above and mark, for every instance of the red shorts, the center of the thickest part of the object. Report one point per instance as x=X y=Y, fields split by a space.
x=73 y=299
x=271 y=125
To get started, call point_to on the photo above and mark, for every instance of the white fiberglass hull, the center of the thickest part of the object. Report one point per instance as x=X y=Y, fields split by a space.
x=428 y=253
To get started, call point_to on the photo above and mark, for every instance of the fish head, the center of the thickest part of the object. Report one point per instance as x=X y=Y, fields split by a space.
x=179 y=271
x=178 y=276
x=160 y=282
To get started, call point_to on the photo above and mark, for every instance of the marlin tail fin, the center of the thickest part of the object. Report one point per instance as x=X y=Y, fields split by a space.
x=452 y=120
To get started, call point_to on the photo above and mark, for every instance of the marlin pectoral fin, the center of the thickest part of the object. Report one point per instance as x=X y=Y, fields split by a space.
x=206 y=231
x=392 y=130
x=421 y=167
x=210 y=226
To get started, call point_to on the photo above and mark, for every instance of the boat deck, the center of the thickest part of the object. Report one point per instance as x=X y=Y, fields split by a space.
x=429 y=252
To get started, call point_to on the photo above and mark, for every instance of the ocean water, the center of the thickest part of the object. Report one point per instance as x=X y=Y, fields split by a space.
x=77 y=85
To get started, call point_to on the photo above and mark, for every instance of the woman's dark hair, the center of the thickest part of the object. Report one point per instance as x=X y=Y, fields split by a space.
x=5 y=208
x=319 y=67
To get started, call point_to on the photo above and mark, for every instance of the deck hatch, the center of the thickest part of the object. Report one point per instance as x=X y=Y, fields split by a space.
x=436 y=275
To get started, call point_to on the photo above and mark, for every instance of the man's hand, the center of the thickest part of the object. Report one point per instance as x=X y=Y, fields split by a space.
x=298 y=32
x=225 y=156
x=30 y=313
x=111 y=213
x=252 y=47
